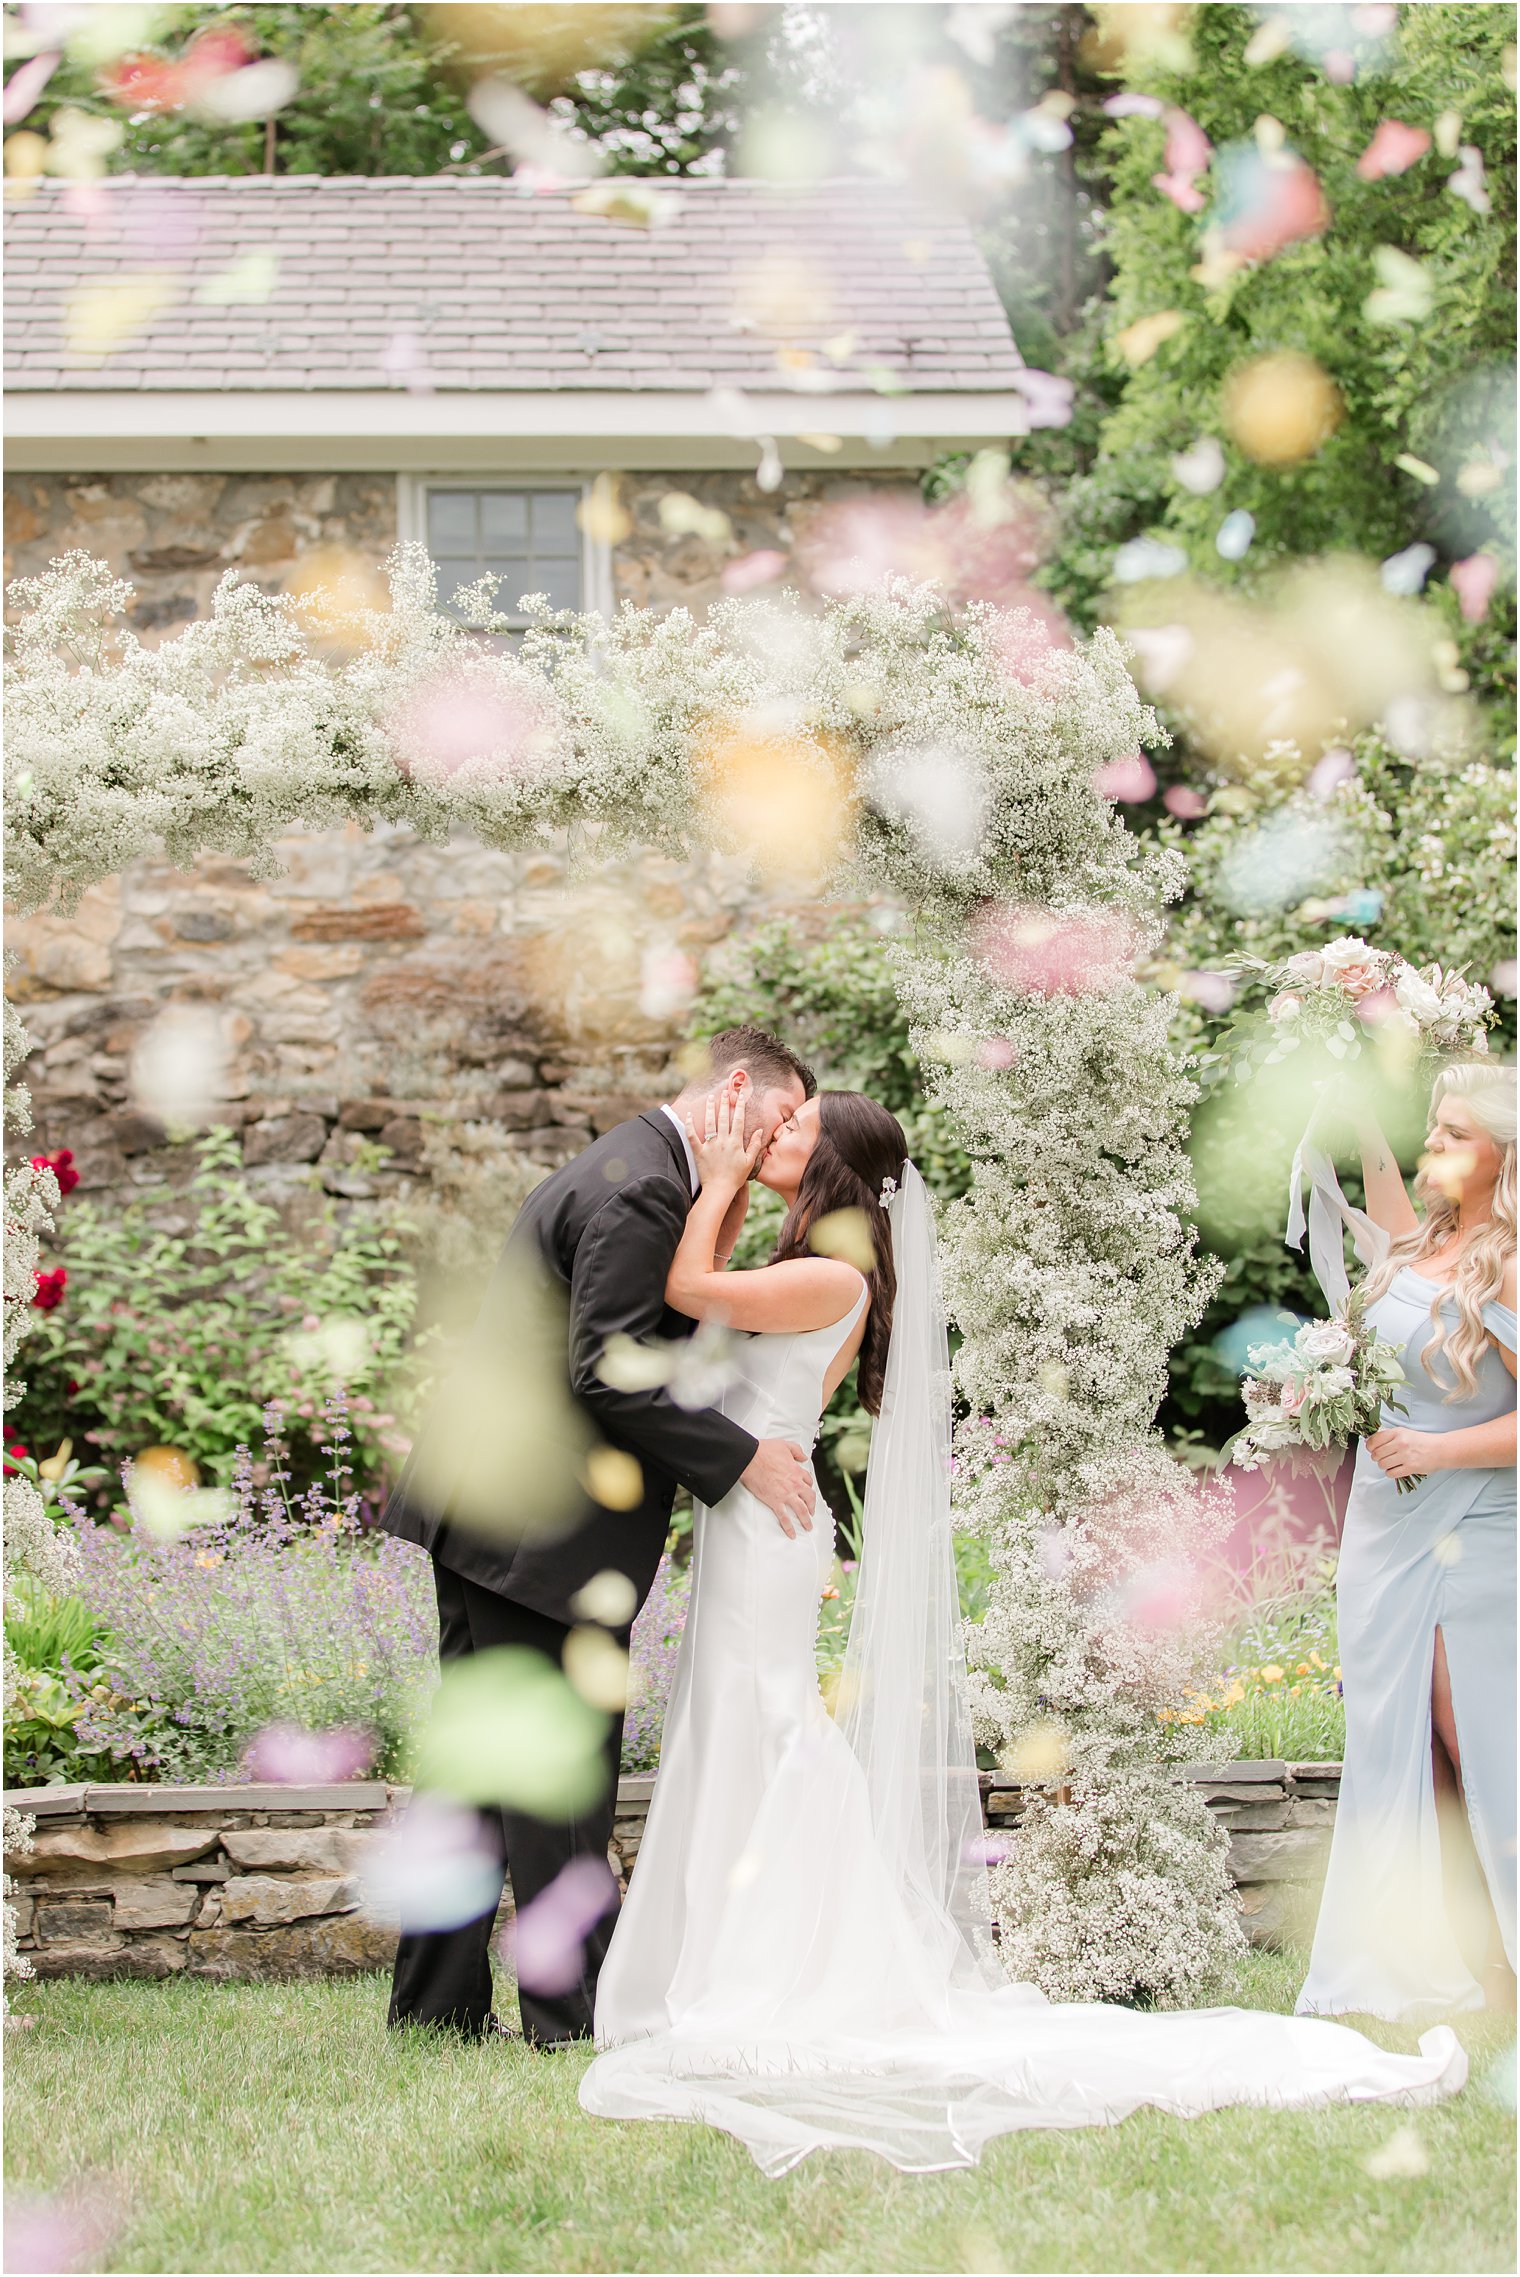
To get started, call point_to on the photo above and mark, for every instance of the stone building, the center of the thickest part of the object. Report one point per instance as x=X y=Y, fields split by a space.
x=634 y=393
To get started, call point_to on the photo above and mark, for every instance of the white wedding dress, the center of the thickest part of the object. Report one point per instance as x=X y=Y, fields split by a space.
x=799 y=1959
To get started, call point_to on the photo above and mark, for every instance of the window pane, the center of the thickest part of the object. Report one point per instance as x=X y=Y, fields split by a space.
x=554 y=519
x=451 y=575
x=451 y=521
x=503 y=520
x=561 y=580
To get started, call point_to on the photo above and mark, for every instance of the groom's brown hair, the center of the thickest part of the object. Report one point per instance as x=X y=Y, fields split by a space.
x=769 y=1061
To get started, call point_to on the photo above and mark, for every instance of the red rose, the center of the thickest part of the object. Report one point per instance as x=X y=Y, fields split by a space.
x=15 y=1447
x=62 y=1166
x=50 y=1288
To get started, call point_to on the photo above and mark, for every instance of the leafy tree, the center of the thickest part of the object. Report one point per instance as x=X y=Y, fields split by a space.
x=1427 y=389
x=382 y=91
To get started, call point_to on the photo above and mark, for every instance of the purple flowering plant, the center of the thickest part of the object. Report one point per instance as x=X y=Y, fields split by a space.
x=652 y=1650
x=280 y=1610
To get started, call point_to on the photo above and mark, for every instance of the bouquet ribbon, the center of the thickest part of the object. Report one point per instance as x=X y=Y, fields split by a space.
x=1329 y=1214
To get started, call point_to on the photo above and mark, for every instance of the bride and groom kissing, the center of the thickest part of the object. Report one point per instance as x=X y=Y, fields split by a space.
x=805 y=1956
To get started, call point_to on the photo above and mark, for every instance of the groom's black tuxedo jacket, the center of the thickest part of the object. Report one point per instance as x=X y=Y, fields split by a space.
x=601 y=1233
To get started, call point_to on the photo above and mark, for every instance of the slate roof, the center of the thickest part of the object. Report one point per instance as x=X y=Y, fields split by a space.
x=479 y=283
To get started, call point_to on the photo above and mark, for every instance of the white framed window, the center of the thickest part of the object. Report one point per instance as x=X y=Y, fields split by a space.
x=524 y=529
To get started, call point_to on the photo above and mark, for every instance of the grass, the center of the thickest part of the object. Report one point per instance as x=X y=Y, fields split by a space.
x=276 y=2128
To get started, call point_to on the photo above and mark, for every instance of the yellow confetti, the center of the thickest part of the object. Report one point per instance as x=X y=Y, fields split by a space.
x=1403 y=2158
x=787 y=804
x=103 y=313
x=845 y=1234
x=602 y=514
x=1448 y=132
x=56 y=1465
x=614 y=1478
x=609 y=1597
x=1040 y=1752
x=626 y=200
x=682 y=516
x=597 y=1666
x=1281 y=408
x=1419 y=468
x=248 y=282
x=1138 y=342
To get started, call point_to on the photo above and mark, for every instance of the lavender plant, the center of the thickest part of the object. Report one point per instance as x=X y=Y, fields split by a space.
x=281 y=1610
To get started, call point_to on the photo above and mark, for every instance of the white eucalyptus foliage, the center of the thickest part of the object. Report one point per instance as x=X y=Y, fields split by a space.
x=1070 y=1266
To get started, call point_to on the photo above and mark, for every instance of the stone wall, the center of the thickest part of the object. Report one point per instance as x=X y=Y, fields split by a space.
x=382 y=981
x=265 y=1881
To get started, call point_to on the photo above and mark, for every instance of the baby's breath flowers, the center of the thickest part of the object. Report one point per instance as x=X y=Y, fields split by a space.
x=817 y=741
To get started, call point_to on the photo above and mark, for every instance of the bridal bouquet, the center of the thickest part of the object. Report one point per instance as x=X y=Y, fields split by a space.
x=1327 y=1386
x=1334 y=994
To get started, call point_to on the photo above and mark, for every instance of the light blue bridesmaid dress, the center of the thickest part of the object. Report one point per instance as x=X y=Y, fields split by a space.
x=1441 y=1557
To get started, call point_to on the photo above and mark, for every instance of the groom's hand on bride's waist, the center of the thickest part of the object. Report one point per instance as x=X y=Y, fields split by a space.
x=780 y=1475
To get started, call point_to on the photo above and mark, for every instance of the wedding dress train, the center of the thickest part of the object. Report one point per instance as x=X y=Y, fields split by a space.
x=798 y=1960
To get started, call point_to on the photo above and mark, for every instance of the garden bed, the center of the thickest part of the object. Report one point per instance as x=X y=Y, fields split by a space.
x=266 y=1881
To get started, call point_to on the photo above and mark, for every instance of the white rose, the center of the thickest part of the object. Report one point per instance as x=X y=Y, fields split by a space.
x=1326 y=1340
x=1351 y=949
x=1284 y=1006
x=1416 y=996
x=1306 y=969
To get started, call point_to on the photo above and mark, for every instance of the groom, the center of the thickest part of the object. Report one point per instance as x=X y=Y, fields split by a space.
x=598 y=1237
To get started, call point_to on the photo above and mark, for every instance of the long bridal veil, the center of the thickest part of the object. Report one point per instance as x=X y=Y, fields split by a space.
x=903 y=1691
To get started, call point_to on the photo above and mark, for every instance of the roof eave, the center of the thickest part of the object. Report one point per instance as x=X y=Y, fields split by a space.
x=106 y=430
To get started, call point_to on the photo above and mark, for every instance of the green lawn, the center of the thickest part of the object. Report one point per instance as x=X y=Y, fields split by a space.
x=277 y=2128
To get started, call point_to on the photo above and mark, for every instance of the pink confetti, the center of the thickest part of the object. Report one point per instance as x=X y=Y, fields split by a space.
x=1473 y=582
x=1184 y=802
x=26 y=83
x=1129 y=779
x=1047 y=397
x=455 y=721
x=1134 y=106
x=404 y=358
x=1160 y=1596
x=1271 y=204
x=1393 y=150
x=752 y=569
x=1215 y=991
x=548 y=1937
x=293 y=1757
x=1188 y=151
x=1043 y=952
x=51 y=2237
x=1328 y=774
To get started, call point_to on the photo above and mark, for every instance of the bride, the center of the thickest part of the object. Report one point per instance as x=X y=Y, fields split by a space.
x=804 y=1957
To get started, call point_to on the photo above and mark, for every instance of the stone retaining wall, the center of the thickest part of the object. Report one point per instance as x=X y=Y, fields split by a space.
x=381 y=983
x=264 y=1881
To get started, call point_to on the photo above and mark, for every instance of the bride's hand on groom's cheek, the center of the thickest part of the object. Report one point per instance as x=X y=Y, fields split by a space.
x=724 y=1156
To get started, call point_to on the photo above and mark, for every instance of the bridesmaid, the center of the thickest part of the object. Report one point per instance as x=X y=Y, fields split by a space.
x=1426 y=1592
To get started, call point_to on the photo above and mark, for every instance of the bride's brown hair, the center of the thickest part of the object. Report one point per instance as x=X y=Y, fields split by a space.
x=859 y=1147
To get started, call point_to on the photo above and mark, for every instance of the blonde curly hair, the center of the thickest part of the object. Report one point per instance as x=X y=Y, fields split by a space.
x=1490 y=1093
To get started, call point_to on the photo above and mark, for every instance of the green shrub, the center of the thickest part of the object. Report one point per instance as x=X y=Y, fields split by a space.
x=182 y=1338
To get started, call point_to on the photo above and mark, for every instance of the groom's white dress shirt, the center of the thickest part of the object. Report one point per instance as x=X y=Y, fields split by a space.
x=691 y=1160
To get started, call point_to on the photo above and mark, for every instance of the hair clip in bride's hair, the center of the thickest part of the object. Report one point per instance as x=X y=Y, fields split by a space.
x=888 y=1189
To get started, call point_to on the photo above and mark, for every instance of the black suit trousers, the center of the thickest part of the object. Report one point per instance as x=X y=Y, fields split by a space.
x=443 y=1976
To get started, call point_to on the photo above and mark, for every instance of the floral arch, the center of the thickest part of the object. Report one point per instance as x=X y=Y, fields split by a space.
x=948 y=761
